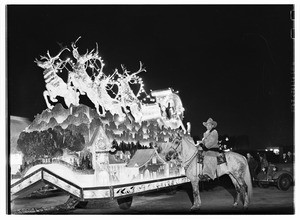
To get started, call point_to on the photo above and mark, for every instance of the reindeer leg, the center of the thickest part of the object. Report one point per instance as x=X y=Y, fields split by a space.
x=77 y=98
x=52 y=98
x=103 y=111
x=97 y=109
x=45 y=94
x=67 y=102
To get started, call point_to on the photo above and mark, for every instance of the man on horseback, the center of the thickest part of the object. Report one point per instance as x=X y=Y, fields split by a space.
x=184 y=150
x=209 y=145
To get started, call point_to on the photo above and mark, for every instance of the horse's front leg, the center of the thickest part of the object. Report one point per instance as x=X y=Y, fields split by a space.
x=196 y=195
x=237 y=198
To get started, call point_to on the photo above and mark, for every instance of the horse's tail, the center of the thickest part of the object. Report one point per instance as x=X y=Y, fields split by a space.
x=248 y=181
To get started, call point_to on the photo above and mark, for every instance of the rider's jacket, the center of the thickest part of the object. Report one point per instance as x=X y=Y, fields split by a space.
x=210 y=139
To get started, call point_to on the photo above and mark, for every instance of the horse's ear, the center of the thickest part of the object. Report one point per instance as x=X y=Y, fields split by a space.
x=178 y=135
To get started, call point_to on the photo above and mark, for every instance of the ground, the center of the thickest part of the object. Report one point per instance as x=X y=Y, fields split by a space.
x=216 y=199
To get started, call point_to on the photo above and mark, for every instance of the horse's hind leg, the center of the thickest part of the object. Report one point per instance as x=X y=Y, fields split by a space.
x=246 y=199
x=242 y=190
x=237 y=189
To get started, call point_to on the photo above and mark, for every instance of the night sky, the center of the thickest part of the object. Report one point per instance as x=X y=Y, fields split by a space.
x=231 y=63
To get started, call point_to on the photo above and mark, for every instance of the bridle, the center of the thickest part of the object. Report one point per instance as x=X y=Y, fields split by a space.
x=186 y=163
x=178 y=138
x=175 y=149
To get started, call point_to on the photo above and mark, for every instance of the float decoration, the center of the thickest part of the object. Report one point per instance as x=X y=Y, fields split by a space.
x=99 y=86
x=93 y=140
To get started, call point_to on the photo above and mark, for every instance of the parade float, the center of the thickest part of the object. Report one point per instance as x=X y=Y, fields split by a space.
x=114 y=148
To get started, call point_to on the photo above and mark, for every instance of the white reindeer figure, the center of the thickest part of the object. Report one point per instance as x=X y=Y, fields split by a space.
x=81 y=79
x=96 y=90
x=127 y=96
x=55 y=86
x=107 y=102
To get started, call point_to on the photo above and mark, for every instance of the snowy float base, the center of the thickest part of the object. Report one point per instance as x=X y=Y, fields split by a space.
x=87 y=180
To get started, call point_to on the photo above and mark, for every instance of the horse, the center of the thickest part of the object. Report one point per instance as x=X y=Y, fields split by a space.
x=184 y=151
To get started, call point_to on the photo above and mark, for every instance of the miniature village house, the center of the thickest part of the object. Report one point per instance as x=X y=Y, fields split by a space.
x=123 y=156
x=117 y=166
x=70 y=157
x=100 y=146
x=147 y=164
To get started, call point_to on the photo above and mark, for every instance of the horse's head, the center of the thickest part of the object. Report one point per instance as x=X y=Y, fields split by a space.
x=175 y=148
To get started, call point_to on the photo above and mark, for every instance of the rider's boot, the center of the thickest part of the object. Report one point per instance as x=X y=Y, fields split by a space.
x=204 y=177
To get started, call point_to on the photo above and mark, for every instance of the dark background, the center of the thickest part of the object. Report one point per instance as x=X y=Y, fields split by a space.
x=232 y=63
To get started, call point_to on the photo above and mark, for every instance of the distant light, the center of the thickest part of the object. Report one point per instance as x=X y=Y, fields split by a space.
x=226 y=139
x=266 y=149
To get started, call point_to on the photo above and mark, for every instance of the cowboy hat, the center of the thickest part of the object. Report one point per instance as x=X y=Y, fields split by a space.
x=210 y=121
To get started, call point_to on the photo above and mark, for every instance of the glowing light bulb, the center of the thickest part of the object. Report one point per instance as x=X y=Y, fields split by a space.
x=121 y=118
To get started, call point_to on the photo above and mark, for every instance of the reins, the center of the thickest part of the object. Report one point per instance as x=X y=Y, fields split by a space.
x=186 y=166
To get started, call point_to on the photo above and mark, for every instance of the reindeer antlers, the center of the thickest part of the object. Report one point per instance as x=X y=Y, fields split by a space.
x=73 y=44
x=126 y=72
x=141 y=69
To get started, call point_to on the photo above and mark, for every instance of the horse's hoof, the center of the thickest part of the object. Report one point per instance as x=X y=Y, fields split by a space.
x=195 y=208
x=235 y=205
x=245 y=208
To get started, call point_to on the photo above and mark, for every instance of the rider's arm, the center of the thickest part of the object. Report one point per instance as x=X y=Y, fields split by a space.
x=199 y=145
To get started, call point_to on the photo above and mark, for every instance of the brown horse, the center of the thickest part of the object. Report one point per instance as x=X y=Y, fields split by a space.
x=183 y=150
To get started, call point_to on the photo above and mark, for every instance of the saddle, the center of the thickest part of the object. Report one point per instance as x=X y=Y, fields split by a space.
x=220 y=157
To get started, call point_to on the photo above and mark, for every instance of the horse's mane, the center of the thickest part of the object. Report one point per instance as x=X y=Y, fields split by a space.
x=189 y=142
